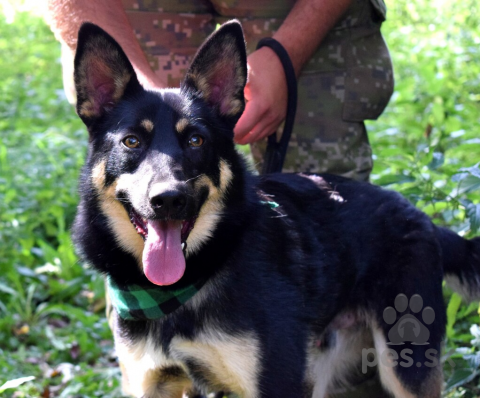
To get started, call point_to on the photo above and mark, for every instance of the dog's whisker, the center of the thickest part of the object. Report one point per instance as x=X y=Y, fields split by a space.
x=194 y=178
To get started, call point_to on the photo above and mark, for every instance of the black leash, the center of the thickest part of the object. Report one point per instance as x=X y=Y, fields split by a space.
x=276 y=151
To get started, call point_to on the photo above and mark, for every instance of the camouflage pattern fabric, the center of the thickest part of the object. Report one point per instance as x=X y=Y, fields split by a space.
x=348 y=80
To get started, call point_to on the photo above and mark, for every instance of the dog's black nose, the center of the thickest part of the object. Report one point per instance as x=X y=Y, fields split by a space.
x=169 y=203
x=172 y=200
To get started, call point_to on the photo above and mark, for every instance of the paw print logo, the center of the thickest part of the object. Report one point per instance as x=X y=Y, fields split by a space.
x=408 y=328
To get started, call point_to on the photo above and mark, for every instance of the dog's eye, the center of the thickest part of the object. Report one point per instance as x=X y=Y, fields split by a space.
x=196 y=140
x=131 y=142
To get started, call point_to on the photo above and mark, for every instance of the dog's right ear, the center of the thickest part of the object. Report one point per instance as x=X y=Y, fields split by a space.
x=103 y=74
x=218 y=72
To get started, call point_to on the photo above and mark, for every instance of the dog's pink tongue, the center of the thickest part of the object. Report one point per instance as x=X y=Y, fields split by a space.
x=163 y=259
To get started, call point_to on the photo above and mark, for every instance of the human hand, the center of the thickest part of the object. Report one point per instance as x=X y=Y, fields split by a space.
x=266 y=95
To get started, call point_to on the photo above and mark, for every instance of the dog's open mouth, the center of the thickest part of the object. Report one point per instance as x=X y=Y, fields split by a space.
x=165 y=245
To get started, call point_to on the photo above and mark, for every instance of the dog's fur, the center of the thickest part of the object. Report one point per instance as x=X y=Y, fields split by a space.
x=294 y=291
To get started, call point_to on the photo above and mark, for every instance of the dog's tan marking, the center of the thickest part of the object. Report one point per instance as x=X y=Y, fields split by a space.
x=98 y=176
x=118 y=219
x=147 y=372
x=226 y=175
x=147 y=125
x=212 y=209
x=181 y=125
x=388 y=377
x=230 y=362
x=331 y=367
x=235 y=107
x=86 y=109
x=163 y=383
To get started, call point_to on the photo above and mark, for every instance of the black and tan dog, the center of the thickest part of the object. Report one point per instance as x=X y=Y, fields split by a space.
x=271 y=286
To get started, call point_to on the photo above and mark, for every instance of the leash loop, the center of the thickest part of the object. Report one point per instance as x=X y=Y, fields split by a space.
x=276 y=151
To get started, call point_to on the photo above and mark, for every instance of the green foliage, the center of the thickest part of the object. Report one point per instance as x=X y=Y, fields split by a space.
x=427 y=141
x=54 y=340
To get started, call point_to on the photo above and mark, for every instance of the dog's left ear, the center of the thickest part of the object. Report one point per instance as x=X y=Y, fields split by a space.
x=218 y=73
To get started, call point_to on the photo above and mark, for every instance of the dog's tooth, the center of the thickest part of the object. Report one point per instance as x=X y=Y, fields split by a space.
x=183 y=245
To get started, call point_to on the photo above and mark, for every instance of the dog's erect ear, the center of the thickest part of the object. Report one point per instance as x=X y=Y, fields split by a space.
x=102 y=73
x=218 y=73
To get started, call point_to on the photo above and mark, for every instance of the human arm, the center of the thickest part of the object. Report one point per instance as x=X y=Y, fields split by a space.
x=301 y=33
x=66 y=16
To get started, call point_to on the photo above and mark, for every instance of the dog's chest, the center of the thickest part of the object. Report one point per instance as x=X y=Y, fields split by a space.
x=213 y=360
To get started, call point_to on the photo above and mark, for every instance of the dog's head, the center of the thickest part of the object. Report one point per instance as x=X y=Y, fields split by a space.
x=160 y=160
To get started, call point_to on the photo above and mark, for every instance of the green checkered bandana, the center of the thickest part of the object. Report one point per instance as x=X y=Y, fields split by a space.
x=138 y=303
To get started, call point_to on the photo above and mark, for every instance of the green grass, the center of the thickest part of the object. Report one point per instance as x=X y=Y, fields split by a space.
x=52 y=325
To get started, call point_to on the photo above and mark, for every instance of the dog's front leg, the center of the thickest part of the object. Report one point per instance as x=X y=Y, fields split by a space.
x=284 y=378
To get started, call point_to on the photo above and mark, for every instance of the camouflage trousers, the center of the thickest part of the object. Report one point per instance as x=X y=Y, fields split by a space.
x=349 y=78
